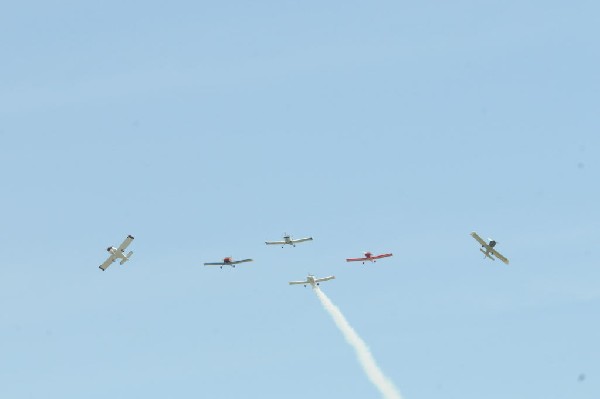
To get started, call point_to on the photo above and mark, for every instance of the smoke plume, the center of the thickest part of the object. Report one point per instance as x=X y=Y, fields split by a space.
x=365 y=358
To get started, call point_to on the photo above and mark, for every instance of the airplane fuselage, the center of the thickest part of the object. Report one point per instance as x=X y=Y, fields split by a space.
x=114 y=251
x=488 y=249
x=288 y=241
x=119 y=254
x=311 y=281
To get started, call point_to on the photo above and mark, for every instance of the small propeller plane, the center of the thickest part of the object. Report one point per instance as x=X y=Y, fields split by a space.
x=310 y=279
x=369 y=257
x=288 y=240
x=118 y=253
x=489 y=248
x=228 y=261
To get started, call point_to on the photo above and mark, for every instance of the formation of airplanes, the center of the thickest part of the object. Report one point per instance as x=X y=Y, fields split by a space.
x=488 y=248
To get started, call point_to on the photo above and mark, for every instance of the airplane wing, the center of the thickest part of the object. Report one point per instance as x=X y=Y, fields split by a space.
x=324 y=279
x=299 y=282
x=216 y=264
x=499 y=256
x=302 y=239
x=479 y=239
x=125 y=243
x=240 y=261
x=274 y=242
x=382 y=256
x=356 y=259
x=108 y=262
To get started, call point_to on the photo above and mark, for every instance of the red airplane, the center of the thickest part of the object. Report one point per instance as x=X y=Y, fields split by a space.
x=368 y=258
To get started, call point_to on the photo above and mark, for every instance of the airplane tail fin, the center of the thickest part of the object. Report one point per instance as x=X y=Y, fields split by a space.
x=126 y=257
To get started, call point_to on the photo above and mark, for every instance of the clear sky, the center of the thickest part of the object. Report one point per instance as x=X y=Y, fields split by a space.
x=206 y=128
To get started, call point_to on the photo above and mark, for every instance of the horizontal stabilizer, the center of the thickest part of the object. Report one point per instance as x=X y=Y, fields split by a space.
x=486 y=254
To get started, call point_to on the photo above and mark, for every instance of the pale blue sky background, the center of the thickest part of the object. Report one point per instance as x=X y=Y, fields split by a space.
x=204 y=129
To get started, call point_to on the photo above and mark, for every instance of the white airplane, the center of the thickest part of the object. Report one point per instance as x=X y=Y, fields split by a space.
x=310 y=279
x=288 y=240
x=228 y=261
x=489 y=248
x=118 y=253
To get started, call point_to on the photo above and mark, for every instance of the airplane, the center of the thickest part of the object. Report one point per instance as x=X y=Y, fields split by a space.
x=288 y=240
x=228 y=261
x=118 y=253
x=310 y=279
x=368 y=258
x=489 y=248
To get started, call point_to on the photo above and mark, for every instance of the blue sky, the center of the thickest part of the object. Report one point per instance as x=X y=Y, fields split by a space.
x=204 y=129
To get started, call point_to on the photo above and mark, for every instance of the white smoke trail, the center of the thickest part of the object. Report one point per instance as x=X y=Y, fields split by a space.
x=385 y=386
